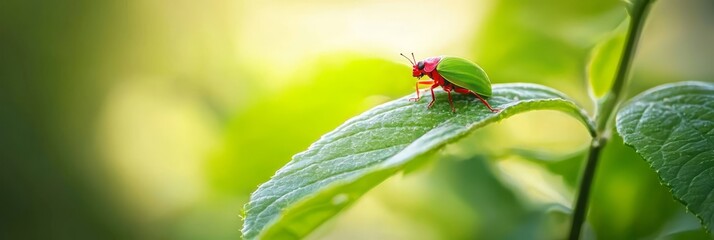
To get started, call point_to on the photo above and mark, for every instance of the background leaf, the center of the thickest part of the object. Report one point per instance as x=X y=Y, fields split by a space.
x=347 y=162
x=672 y=128
x=604 y=60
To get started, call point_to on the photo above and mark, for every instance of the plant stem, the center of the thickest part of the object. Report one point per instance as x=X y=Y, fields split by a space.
x=638 y=11
x=585 y=184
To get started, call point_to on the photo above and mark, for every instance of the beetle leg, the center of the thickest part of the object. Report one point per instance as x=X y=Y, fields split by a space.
x=433 y=98
x=466 y=91
x=451 y=102
x=417 y=89
x=486 y=103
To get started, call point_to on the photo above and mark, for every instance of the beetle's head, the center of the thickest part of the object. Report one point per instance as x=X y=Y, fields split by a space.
x=417 y=67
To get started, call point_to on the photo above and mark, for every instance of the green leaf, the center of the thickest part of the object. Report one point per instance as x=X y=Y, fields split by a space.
x=345 y=163
x=604 y=60
x=672 y=128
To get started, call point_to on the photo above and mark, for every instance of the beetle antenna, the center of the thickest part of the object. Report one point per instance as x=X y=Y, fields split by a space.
x=410 y=61
x=414 y=58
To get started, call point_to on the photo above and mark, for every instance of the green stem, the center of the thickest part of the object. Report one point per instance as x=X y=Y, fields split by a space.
x=607 y=106
x=585 y=184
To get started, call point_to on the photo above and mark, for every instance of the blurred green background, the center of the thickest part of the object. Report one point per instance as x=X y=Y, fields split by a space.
x=157 y=119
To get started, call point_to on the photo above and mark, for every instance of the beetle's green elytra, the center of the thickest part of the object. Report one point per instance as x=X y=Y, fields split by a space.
x=466 y=74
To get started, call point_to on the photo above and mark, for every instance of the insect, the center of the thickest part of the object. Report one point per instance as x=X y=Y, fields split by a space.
x=452 y=74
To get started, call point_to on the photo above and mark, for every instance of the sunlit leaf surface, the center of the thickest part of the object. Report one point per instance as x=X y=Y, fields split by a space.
x=367 y=149
x=672 y=128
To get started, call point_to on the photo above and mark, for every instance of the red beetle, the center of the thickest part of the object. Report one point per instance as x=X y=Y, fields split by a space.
x=452 y=74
